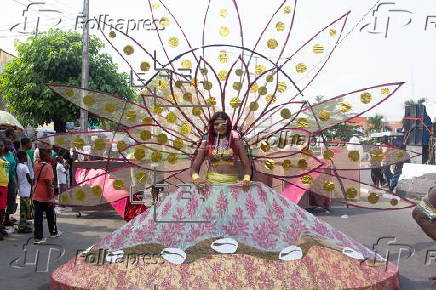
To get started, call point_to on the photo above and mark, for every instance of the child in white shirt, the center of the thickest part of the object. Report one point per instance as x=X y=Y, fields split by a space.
x=24 y=190
x=61 y=174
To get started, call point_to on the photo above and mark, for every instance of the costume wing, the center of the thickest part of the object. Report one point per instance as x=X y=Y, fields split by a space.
x=331 y=185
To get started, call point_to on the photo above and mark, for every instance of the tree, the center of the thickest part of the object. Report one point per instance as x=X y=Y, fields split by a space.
x=342 y=131
x=377 y=124
x=56 y=57
x=413 y=102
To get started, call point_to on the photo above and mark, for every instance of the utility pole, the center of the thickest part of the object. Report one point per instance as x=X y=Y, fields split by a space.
x=85 y=63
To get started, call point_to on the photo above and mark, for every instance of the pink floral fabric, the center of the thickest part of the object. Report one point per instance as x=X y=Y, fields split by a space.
x=259 y=217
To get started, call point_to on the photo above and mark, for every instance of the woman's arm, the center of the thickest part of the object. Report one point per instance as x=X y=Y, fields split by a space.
x=29 y=179
x=244 y=158
x=199 y=158
x=427 y=226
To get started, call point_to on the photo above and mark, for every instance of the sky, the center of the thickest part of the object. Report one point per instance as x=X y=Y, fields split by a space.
x=402 y=51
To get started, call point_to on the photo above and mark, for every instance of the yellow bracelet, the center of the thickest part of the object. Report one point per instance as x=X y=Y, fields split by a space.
x=195 y=176
x=247 y=177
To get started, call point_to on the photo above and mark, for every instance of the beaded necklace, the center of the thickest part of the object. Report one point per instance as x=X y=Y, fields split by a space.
x=222 y=146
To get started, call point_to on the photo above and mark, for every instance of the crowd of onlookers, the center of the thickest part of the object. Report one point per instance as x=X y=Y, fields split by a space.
x=37 y=173
x=387 y=172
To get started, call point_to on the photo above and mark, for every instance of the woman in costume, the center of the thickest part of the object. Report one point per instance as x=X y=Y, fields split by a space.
x=222 y=148
x=233 y=232
x=230 y=234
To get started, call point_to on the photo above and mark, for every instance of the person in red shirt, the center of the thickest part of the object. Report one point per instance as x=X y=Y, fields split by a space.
x=43 y=195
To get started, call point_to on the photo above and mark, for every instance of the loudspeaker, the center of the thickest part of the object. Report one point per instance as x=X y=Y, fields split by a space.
x=415 y=136
x=414 y=111
x=419 y=135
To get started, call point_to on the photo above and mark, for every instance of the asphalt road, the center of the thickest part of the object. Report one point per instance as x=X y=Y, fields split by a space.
x=395 y=228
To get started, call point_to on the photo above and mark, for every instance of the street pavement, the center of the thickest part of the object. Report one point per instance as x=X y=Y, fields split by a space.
x=79 y=234
x=395 y=230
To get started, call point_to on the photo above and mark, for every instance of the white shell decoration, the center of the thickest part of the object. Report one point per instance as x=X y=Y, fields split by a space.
x=225 y=246
x=85 y=252
x=113 y=257
x=173 y=255
x=352 y=253
x=291 y=253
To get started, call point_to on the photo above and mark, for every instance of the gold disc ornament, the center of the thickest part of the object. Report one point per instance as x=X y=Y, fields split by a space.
x=351 y=193
x=306 y=179
x=235 y=102
x=324 y=115
x=354 y=156
x=118 y=184
x=285 y=113
x=128 y=50
x=287 y=164
x=272 y=43
x=301 y=68
x=373 y=198
x=345 y=106
x=264 y=146
x=269 y=164
x=88 y=100
x=365 y=98
x=328 y=186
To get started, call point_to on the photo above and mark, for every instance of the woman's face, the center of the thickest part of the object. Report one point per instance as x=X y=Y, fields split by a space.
x=8 y=146
x=220 y=127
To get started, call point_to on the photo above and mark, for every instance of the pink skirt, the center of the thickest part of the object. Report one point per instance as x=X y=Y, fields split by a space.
x=3 y=197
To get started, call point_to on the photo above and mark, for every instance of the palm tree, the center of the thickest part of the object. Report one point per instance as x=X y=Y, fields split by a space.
x=413 y=102
x=376 y=124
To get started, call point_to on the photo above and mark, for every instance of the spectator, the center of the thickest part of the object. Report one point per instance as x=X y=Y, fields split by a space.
x=4 y=180
x=26 y=145
x=35 y=154
x=425 y=216
x=12 y=185
x=17 y=145
x=376 y=171
x=24 y=189
x=61 y=173
x=68 y=164
x=10 y=134
x=398 y=169
x=386 y=161
x=43 y=195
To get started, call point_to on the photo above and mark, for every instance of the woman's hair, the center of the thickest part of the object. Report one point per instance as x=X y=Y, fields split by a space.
x=21 y=155
x=9 y=146
x=17 y=145
x=2 y=140
x=211 y=131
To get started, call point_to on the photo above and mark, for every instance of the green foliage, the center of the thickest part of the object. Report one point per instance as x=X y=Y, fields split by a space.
x=341 y=131
x=56 y=57
x=420 y=101
x=377 y=124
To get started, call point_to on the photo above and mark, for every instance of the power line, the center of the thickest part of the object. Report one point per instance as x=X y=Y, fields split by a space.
x=32 y=9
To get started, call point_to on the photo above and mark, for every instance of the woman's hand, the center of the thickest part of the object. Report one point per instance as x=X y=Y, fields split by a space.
x=245 y=184
x=197 y=182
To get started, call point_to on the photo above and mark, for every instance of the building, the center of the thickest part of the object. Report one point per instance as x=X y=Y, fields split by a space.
x=361 y=124
x=4 y=58
x=395 y=126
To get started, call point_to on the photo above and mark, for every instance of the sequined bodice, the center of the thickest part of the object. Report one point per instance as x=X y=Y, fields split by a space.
x=222 y=153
